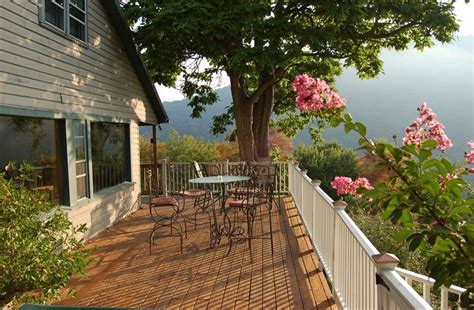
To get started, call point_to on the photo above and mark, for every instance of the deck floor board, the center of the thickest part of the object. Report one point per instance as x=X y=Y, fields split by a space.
x=126 y=275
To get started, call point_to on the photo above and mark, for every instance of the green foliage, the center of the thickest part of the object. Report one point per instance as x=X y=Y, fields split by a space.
x=325 y=161
x=185 y=148
x=262 y=45
x=381 y=233
x=38 y=250
x=429 y=198
x=146 y=150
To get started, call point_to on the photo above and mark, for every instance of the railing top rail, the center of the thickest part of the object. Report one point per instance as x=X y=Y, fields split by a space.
x=426 y=280
x=209 y=162
x=415 y=276
x=319 y=190
x=364 y=242
x=404 y=291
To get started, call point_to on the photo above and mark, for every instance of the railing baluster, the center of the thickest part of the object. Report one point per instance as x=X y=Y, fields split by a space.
x=444 y=298
x=427 y=292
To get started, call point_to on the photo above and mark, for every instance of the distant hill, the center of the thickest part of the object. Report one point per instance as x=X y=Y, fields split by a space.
x=442 y=76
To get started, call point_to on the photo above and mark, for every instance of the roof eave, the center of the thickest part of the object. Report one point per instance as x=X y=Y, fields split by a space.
x=118 y=19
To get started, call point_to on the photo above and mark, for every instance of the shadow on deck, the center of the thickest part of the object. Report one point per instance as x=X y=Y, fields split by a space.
x=126 y=275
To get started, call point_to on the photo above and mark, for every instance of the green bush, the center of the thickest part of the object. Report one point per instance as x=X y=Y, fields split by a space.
x=381 y=233
x=38 y=250
x=326 y=161
x=146 y=150
x=185 y=148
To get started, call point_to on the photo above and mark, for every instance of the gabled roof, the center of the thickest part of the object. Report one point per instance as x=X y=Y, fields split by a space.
x=115 y=13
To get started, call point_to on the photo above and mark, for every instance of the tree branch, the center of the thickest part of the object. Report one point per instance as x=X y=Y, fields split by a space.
x=372 y=35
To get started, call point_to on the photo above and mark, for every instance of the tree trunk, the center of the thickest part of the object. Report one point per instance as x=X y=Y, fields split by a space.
x=243 y=116
x=243 y=120
x=262 y=113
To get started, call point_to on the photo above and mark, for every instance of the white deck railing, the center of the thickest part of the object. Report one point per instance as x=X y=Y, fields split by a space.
x=360 y=277
x=428 y=283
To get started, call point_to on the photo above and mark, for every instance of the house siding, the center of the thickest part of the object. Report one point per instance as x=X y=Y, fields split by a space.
x=44 y=73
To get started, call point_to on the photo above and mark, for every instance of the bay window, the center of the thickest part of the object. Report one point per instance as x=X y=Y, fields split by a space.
x=71 y=160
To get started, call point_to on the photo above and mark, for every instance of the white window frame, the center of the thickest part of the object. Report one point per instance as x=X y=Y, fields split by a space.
x=66 y=31
x=75 y=201
x=86 y=160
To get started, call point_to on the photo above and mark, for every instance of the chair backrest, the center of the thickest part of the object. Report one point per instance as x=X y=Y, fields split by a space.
x=148 y=179
x=264 y=176
x=197 y=169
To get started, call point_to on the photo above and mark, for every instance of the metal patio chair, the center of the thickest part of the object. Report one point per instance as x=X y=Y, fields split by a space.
x=200 y=197
x=252 y=196
x=165 y=211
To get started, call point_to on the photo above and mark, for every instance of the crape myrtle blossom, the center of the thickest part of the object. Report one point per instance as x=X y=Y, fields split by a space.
x=315 y=95
x=469 y=155
x=425 y=128
x=346 y=186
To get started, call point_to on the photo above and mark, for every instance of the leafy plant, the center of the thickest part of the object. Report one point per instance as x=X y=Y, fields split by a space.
x=426 y=195
x=325 y=161
x=185 y=148
x=38 y=249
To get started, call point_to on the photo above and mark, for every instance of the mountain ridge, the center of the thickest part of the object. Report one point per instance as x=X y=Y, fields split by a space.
x=442 y=76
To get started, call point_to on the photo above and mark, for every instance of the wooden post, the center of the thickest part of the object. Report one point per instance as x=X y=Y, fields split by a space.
x=383 y=261
x=154 y=170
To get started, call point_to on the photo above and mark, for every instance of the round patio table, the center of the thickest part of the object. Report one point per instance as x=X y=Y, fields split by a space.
x=222 y=180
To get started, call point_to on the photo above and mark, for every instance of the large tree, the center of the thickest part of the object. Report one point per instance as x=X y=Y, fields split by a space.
x=261 y=45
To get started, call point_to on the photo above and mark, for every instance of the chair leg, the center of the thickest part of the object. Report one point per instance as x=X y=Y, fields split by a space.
x=152 y=234
x=180 y=236
x=271 y=228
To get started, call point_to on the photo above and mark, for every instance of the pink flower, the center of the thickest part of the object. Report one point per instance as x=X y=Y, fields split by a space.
x=469 y=157
x=470 y=170
x=363 y=182
x=470 y=144
x=425 y=128
x=314 y=95
x=345 y=185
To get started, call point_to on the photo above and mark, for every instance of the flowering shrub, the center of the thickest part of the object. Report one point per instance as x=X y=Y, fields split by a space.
x=345 y=185
x=425 y=128
x=427 y=196
x=315 y=95
x=325 y=161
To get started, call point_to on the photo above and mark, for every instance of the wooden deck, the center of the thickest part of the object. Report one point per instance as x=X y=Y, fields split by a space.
x=126 y=275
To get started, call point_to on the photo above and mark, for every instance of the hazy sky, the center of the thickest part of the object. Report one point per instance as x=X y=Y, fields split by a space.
x=464 y=13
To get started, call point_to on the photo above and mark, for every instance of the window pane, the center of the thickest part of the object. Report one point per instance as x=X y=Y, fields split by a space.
x=79 y=129
x=54 y=13
x=81 y=158
x=81 y=168
x=80 y=148
x=33 y=141
x=81 y=187
x=79 y=3
x=76 y=29
x=108 y=154
x=77 y=14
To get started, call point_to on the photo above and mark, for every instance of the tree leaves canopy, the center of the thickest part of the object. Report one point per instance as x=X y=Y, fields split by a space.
x=246 y=38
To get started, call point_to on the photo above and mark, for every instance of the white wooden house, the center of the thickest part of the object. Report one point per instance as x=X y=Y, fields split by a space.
x=73 y=93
